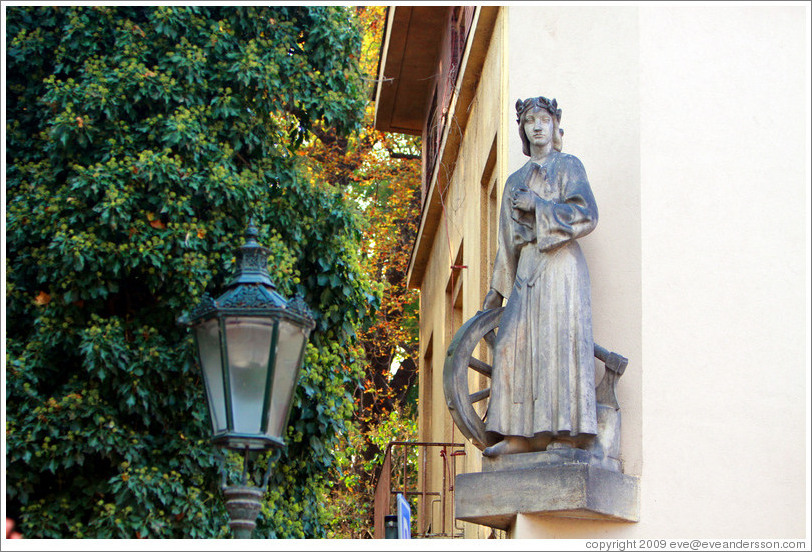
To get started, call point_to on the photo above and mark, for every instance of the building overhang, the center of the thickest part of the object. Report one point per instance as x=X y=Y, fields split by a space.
x=409 y=60
x=409 y=54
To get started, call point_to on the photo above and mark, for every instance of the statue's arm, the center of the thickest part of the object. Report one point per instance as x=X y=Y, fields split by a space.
x=492 y=300
x=576 y=215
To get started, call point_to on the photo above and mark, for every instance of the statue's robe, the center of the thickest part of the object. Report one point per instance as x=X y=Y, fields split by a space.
x=543 y=380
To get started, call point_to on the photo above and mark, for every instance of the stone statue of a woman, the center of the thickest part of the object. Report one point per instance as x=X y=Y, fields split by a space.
x=543 y=381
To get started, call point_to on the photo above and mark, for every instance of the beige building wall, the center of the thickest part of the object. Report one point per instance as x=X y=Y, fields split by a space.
x=588 y=58
x=450 y=297
x=693 y=125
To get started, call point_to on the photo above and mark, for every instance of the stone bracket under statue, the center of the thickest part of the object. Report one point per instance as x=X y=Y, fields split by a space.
x=566 y=482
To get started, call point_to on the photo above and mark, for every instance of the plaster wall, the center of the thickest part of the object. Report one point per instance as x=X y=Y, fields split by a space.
x=693 y=125
x=458 y=241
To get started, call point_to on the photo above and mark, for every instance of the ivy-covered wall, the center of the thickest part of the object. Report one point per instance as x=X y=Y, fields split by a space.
x=139 y=142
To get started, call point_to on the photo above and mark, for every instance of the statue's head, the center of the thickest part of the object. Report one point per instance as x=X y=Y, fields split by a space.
x=523 y=107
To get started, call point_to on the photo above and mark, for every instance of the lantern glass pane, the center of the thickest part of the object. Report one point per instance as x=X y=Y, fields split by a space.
x=249 y=347
x=288 y=360
x=208 y=344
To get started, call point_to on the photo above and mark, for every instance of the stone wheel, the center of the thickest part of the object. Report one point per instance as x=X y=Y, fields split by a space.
x=467 y=374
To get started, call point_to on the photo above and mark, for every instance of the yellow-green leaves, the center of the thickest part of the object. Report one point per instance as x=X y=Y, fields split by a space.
x=139 y=141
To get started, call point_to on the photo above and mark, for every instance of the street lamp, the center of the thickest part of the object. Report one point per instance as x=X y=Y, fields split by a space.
x=250 y=343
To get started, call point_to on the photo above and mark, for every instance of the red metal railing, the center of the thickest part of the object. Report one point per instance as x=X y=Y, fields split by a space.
x=398 y=476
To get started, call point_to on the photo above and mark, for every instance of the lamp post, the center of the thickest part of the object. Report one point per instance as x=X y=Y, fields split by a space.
x=250 y=342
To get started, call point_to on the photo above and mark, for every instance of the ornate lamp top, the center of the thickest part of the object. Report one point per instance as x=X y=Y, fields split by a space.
x=252 y=261
x=251 y=289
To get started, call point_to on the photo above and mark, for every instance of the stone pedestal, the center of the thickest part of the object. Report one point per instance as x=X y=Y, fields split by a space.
x=564 y=483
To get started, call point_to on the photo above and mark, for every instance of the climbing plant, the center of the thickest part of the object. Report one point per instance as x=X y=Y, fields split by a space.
x=139 y=142
x=380 y=173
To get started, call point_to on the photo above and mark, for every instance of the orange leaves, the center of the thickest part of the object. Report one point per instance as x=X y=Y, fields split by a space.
x=42 y=299
x=82 y=121
x=201 y=233
x=387 y=191
x=155 y=222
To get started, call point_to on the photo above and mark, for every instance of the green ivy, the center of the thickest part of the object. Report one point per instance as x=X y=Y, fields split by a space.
x=139 y=142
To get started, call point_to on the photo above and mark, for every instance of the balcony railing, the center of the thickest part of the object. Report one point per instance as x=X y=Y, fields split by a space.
x=410 y=468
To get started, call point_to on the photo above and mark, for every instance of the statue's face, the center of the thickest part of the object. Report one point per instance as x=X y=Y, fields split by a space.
x=538 y=126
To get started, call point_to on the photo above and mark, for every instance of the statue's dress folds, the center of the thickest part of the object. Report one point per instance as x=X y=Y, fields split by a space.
x=543 y=370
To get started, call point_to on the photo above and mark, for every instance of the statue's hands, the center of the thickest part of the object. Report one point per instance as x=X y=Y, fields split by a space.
x=524 y=199
x=492 y=300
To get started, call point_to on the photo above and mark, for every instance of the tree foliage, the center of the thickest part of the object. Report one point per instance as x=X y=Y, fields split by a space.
x=139 y=141
x=381 y=173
